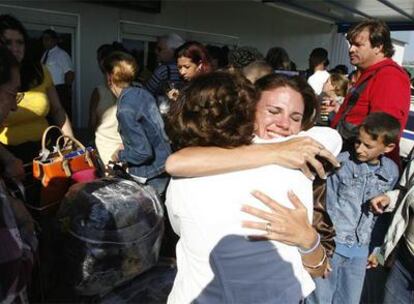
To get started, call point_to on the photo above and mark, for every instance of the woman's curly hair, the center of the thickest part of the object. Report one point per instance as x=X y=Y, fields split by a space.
x=216 y=109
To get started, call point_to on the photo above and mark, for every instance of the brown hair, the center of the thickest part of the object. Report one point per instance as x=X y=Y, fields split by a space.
x=197 y=53
x=379 y=34
x=122 y=66
x=274 y=81
x=216 y=109
x=384 y=125
x=7 y=63
x=318 y=56
x=31 y=71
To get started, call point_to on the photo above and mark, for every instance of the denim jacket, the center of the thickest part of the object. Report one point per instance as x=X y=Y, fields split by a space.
x=146 y=146
x=349 y=191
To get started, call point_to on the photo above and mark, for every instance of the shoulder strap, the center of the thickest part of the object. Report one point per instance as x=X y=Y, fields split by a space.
x=356 y=92
x=359 y=89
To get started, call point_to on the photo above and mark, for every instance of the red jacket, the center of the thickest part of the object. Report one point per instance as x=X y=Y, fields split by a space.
x=387 y=91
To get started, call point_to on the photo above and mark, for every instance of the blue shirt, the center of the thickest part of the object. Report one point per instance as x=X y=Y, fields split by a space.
x=163 y=74
x=349 y=191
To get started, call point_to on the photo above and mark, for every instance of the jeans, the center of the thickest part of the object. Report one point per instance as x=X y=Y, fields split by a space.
x=343 y=284
x=399 y=288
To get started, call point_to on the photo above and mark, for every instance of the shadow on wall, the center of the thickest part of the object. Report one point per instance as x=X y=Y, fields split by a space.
x=248 y=272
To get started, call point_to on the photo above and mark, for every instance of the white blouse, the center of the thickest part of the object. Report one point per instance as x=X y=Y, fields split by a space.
x=216 y=262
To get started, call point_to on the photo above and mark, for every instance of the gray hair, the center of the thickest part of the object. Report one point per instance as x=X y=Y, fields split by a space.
x=172 y=40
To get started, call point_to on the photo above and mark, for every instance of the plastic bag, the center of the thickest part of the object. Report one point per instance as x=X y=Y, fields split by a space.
x=111 y=231
x=153 y=286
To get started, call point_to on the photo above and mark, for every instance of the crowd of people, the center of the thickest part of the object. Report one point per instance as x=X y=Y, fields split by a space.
x=274 y=180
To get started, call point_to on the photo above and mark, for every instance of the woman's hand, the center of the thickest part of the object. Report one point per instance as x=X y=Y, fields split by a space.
x=115 y=155
x=173 y=94
x=289 y=226
x=301 y=153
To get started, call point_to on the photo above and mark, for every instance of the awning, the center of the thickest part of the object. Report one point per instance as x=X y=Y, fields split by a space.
x=399 y=14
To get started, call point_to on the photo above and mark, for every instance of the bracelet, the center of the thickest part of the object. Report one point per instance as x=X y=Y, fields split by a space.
x=320 y=263
x=313 y=248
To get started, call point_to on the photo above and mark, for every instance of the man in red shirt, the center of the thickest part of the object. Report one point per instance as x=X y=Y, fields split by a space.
x=387 y=86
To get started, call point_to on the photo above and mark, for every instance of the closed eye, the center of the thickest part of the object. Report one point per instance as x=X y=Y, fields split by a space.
x=296 y=117
x=274 y=111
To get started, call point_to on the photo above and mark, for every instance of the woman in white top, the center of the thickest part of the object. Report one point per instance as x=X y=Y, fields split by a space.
x=102 y=111
x=216 y=262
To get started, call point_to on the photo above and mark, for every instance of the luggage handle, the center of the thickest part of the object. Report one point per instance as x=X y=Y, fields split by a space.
x=65 y=164
x=45 y=151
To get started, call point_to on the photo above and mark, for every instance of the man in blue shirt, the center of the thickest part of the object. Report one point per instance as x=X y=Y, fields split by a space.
x=166 y=73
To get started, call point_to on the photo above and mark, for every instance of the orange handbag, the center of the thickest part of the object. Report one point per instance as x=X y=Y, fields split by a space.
x=57 y=169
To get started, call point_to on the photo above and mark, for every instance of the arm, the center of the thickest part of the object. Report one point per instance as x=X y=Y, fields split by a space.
x=153 y=85
x=24 y=222
x=67 y=68
x=11 y=166
x=58 y=114
x=16 y=264
x=69 y=78
x=321 y=220
x=297 y=153
x=290 y=226
x=137 y=148
x=93 y=105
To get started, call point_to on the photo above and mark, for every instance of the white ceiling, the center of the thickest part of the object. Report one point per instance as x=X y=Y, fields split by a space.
x=399 y=14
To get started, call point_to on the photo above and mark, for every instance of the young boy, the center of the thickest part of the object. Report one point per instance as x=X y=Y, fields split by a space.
x=364 y=174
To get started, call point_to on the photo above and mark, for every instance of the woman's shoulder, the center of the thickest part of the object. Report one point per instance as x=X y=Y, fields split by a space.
x=134 y=94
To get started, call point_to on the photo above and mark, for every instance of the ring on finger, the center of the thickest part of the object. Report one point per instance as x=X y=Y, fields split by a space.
x=268 y=228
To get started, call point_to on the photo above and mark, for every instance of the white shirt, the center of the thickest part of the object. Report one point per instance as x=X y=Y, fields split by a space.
x=215 y=261
x=59 y=63
x=317 y=80
x=107 y=137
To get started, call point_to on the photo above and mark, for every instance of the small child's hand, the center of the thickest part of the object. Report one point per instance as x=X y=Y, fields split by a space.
x=379 y=203
x=372 y=261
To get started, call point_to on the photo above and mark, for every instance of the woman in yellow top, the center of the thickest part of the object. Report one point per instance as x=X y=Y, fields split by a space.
x=23 y=128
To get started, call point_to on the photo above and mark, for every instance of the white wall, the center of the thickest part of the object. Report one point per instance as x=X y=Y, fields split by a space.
x=254 y=23
x=399 y=51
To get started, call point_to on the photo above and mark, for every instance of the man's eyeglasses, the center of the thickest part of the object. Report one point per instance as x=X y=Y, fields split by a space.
x=18 y=95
